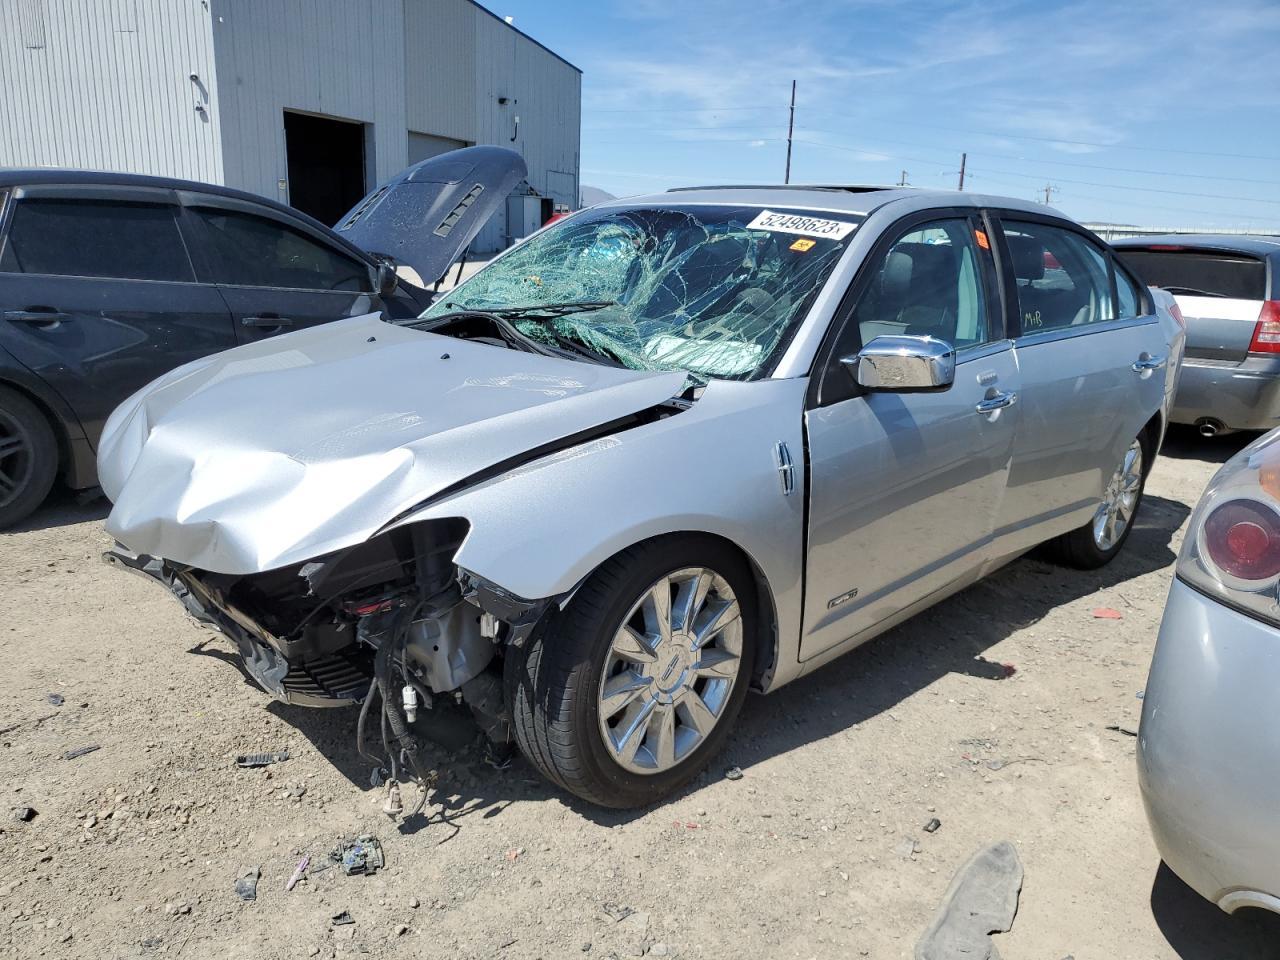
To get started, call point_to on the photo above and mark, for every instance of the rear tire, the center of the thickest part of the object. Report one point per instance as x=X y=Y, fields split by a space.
x=1098 y=542
x=580 y=686
x=28 y=457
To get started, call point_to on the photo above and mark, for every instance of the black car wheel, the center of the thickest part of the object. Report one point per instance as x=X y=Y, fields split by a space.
x=28 y=457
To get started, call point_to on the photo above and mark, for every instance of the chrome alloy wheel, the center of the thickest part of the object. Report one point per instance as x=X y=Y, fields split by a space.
x=1119 y=500
x=670 y=670
x=16 y=458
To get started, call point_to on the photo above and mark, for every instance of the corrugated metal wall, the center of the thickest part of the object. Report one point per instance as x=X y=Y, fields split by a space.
x=341 y=58
x=105 y=84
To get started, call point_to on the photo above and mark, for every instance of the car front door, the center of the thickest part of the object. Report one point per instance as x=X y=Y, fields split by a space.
x=98 y=296
x=274 y=272
x=1090 y=361
x=905 y=487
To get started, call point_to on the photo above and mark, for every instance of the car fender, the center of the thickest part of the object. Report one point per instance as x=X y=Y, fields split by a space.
x=539 y=530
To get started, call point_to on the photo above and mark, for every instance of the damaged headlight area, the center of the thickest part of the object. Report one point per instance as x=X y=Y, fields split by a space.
x=390 y=621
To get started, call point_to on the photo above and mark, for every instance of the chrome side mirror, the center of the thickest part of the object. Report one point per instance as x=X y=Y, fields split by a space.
x=903 y=363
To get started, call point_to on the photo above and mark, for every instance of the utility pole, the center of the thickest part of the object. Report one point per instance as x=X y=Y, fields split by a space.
x=964 y=157
x=903 y=181
x=1049 y=190
x=791 y=124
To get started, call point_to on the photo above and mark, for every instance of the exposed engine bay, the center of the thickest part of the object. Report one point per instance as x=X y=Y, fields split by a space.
x=391 y=623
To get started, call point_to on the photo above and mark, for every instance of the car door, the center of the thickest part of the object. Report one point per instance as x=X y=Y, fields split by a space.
x=275 y=273
x=905 y=486
x=98 y=295
x=1088 y=360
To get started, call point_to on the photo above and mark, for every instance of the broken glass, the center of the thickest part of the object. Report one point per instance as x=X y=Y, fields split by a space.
x=714 y=290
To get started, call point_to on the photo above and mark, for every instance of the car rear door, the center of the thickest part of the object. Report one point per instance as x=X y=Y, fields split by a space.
x=275 y=272
x=1220 y=293
x=905 y=487
x=98 y=295
x=1091 y=366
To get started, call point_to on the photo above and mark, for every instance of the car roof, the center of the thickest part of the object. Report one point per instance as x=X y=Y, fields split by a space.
x=42 y=176
x=1258 y=245
x=837 y=198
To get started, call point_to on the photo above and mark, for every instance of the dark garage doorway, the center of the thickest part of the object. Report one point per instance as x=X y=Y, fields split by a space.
x=326 y=164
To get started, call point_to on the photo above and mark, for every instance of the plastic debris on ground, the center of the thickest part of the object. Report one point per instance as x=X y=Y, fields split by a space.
x=363 y=855
x=80 y=751
x=248 y=760
x=56 y=699
x=1121 y=728
x=342 y=919
x=982 y=899
x=299 y=872
x=1107 y=613
x=247 y=883
x=932 y=825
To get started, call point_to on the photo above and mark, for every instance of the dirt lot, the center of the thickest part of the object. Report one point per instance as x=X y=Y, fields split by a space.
x=136 y=847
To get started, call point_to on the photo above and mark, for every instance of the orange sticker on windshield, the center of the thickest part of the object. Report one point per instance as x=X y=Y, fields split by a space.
x=803 y=244
x=983 y=242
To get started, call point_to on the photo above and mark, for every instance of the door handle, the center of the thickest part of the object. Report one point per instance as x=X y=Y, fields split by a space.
x=36 y=316
x=998 y=402
x=1143 y=364
x=266 y=322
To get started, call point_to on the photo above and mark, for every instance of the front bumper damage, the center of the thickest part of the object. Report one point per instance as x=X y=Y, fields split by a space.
x=309 y=634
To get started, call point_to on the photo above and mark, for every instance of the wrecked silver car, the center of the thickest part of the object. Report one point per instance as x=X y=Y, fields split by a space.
x=664 y=451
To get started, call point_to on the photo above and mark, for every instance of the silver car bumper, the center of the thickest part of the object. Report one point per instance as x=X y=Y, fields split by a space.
x=1244 y=396
x=1209 y=750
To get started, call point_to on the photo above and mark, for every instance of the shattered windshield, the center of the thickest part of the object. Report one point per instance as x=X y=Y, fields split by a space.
x=712 y=290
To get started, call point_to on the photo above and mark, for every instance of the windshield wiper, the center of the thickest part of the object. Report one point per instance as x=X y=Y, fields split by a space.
x=576 y=345
x=552 y=309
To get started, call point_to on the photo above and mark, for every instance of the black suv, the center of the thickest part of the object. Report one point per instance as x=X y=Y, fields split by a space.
x=109 y=280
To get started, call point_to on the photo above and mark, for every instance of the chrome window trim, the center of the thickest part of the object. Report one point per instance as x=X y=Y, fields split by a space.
x=1083 y=330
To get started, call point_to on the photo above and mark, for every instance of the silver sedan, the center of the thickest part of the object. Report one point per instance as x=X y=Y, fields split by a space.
x=1209 y=742
x=662 y=452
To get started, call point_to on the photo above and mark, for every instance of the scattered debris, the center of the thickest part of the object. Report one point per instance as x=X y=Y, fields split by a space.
x=25 y=814
x=933 y=825
x=361 y=855
x=342 y=919
x=1140 y=694
x=514 y=854
x=616 y=912
x=56 y=699
x=414 y=903
x=507 y=943
x=1001 y=764
x=982 y=900
x=299 y=872
x=685 y=825
x=733 y=773
x=261 y=759
x=1120 y=728
x=393 y=805
x=80 y=751
x=247 y=884
x=401 y=929
x=908 y=848
x=1107 y=613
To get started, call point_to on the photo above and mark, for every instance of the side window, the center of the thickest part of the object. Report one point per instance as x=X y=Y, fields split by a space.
x=96 y=238
x=1128 y=298
x=928 y=284
x=255 y=251
x=1063 y=279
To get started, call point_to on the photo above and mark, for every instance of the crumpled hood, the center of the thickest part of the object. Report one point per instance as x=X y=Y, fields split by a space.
x=285 y=449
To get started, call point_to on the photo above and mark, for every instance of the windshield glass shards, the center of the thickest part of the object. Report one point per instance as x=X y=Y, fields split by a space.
x=712 y=290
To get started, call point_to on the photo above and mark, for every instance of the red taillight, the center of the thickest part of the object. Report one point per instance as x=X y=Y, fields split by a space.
x=1177 y=315
x=1266 y=333
x=1242 y=538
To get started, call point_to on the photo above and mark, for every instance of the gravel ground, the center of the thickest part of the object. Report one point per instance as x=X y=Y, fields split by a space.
x=818 y=851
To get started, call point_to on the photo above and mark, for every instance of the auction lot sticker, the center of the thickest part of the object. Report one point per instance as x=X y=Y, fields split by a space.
x=798 y=223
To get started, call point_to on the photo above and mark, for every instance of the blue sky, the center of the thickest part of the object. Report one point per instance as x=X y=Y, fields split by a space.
x=1163 y=114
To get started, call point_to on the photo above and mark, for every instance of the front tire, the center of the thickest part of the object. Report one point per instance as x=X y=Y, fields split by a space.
x=625 y=696
x=1098 y=542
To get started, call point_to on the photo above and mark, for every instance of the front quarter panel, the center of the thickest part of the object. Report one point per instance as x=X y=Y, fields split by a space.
x=539 y=530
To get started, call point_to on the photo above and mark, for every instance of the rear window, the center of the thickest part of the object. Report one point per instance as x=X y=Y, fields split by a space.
x=1202 y=273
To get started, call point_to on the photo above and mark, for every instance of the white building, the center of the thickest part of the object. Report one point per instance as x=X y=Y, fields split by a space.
x=310 y=102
